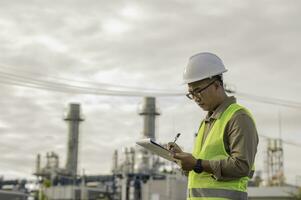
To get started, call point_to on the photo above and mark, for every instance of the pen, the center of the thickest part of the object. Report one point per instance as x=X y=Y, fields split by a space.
x=174 y=142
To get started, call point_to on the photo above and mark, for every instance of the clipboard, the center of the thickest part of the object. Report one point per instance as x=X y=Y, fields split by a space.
x=156 y=148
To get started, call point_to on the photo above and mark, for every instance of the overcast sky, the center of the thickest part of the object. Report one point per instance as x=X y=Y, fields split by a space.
x=142 y=44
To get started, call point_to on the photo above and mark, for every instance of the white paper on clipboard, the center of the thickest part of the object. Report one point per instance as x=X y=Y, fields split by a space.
x=156 y=148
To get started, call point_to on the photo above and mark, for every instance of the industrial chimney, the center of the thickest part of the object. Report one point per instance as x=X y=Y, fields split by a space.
x=73 y=119
x=149 y=113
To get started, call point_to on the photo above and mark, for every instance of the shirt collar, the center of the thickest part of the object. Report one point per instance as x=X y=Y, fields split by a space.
x=220 y=109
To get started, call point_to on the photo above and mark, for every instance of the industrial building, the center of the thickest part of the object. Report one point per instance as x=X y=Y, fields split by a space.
x=13 y=189
x=140 y=175
x=272 y=193
x=13 y=195
x=137 y=174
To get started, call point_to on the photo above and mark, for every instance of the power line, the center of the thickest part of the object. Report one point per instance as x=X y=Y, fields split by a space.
x=28 y=74
x=21 y=80
x=76 y=87
x=284 y=141
x=61 y=85
x=266 y=100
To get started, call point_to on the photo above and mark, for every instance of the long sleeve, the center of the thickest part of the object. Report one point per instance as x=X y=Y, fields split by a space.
x=241 y=140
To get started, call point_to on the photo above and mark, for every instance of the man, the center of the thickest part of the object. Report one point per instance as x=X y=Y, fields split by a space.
x=223 y=156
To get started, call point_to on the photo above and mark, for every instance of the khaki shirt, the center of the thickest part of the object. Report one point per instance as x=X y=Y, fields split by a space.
x=240 y=140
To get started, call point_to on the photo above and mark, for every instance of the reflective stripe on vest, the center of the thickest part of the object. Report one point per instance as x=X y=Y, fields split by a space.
x=203 y=185
x=217 y=193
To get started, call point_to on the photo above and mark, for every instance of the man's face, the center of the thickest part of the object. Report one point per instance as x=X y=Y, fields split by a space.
x=203 y=93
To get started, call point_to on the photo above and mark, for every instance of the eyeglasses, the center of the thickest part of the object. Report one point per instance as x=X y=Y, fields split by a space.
x=196 y=91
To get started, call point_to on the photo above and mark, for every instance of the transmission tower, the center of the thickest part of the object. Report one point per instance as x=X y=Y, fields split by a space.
x=274 y=162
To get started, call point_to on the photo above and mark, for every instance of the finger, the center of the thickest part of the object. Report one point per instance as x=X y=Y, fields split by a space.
x=170 y=145
x=171 y=148
x=178 y=156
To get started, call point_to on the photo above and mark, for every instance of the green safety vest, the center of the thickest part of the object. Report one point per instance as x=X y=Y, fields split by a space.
x=202 y=186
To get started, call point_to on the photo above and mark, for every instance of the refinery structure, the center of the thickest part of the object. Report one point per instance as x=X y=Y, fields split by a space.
x=136 y=174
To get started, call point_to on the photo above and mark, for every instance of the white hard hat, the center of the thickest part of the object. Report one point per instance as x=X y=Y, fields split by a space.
x=202 y=66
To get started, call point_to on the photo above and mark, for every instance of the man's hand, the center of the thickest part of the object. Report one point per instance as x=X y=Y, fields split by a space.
x=187 y=161
x=174 y=147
